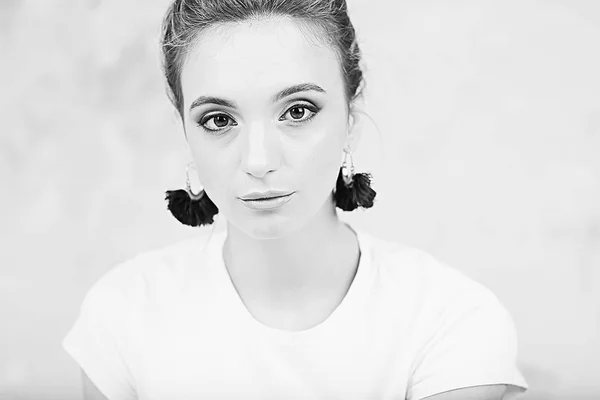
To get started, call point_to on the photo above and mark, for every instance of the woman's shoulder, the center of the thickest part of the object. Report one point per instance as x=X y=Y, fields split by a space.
x=418 y=271
x=152 y=271
x=421 y=288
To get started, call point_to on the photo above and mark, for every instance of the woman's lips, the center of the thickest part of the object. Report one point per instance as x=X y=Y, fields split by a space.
x=268 y=204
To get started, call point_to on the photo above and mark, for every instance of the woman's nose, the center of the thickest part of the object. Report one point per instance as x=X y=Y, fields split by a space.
x=261 y=151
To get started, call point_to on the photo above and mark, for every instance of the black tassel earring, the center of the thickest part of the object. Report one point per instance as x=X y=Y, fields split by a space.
x=190 y=208
x=353 y=190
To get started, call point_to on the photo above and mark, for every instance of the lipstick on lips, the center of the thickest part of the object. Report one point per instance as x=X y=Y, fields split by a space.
x=266 y=200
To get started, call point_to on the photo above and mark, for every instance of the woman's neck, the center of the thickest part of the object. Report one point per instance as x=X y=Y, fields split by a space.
x=317 y=258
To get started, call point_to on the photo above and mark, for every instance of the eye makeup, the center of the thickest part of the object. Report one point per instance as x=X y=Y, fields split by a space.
x=313 y=110
x=215 y=120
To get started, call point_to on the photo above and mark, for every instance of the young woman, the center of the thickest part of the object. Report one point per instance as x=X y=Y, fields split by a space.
x=289 y=302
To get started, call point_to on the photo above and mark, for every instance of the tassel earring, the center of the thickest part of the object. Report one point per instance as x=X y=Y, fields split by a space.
x=190 y=208
x=353 y=190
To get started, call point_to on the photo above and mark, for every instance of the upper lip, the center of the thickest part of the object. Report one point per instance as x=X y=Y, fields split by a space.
x=264 y=195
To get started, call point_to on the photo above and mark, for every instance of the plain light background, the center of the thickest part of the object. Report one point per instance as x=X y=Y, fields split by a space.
x=484 y=147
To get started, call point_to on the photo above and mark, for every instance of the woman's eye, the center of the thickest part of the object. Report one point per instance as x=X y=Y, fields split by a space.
x=216 y=122
x=300 y=113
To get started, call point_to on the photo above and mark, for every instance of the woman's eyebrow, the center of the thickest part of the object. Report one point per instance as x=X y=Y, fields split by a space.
x=211 y=100
x=302 y=87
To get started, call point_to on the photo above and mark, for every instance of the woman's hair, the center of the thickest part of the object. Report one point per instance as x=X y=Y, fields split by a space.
x=186 y=19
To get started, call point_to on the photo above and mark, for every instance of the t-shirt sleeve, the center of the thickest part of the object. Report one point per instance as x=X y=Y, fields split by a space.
x=474 y=343
x=97 y=341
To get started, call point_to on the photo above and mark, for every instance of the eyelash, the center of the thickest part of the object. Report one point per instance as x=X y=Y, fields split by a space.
x=315 y=110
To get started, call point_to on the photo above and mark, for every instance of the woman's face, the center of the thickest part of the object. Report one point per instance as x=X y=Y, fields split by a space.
x=264 y=109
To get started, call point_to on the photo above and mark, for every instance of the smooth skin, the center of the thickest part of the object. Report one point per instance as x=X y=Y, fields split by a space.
x=286 y=263
x=248 y=127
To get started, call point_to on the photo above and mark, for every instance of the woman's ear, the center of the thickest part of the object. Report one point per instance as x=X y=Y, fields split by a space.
x=354 y=127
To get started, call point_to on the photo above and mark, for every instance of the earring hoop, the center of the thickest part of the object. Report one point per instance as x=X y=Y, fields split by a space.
x=188 y=186
x=348 y=173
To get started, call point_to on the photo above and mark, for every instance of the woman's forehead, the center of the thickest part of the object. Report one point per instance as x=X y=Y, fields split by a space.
x=257 y=57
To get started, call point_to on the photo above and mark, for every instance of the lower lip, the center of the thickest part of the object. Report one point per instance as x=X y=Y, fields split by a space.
x=268 y=204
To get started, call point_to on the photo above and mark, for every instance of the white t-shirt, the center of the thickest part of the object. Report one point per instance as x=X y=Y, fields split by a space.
x=169 y=324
